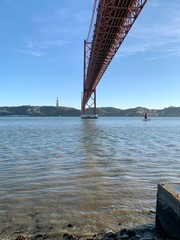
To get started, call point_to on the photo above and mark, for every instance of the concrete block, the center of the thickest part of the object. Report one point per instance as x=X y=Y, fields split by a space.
x=168 y=209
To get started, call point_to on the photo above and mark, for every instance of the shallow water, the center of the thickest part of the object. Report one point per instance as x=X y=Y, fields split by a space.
x=98 y=175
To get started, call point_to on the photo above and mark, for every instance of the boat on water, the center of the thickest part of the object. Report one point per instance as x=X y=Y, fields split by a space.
x=146 y=118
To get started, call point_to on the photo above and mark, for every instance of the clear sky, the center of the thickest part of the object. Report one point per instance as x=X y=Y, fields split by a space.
x=41 y=55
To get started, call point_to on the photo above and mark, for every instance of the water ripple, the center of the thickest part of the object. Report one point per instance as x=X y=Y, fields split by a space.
x=94 y=174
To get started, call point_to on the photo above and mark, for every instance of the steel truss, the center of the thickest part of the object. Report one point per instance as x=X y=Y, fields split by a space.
x=90 y=106
x=113 y=21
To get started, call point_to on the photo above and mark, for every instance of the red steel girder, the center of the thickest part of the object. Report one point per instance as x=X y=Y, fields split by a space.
x=113 y=22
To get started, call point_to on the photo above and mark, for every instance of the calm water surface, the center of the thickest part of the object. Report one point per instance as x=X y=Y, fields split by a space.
x=93 y=174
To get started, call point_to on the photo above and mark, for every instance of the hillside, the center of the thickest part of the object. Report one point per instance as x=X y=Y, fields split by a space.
x=139 y=111
x=39 y=111
x=73 y=112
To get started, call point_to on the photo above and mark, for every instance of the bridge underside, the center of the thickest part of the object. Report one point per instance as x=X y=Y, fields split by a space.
x=113 y=22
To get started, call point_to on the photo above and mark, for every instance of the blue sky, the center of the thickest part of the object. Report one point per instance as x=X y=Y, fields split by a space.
x=41 y=55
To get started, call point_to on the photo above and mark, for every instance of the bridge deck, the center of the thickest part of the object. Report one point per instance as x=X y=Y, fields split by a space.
x=113 y=22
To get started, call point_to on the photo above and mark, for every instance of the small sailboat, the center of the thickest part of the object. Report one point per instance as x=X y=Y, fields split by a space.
x=146 y=118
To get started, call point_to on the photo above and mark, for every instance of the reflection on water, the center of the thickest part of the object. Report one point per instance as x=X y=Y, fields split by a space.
x=98 y=175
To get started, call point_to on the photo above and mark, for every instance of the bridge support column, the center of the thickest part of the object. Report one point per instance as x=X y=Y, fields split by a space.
x=88 y=109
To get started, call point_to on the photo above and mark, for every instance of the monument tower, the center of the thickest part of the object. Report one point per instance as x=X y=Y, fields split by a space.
x=57 y=102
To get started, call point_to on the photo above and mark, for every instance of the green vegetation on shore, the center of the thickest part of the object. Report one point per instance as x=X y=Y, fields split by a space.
x=73 y=112
x=38 y=111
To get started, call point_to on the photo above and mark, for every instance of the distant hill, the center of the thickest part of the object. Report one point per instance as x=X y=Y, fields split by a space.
x=47 y=111
x=73 y=112
x=139 y=112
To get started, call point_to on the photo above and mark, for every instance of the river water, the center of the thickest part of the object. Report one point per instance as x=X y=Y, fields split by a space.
x=98 y=175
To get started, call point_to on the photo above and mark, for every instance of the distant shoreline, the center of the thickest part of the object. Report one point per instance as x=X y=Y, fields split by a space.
x=52 y=111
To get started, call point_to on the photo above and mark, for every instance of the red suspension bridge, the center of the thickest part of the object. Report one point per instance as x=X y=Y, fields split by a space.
x=113 y=19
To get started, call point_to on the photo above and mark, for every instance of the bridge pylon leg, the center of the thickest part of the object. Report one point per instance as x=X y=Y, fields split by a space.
x=88 y=108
